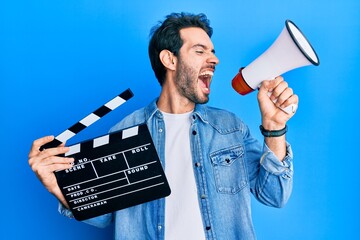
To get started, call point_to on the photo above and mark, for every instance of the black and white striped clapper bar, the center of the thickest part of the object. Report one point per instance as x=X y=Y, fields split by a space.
x=90 y=119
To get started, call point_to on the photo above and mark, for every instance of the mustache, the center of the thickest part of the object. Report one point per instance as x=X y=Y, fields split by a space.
x=210 y=66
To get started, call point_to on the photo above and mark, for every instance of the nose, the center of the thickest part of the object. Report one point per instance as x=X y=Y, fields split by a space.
x=213 y=59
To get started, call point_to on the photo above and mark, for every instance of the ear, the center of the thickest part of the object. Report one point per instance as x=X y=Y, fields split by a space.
x=168 y=59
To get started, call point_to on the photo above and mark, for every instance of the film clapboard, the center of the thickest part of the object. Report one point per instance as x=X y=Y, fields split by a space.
x=113 y=172
x=110 y=172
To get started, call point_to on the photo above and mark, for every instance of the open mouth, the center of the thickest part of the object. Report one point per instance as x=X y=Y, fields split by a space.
x=205 y=80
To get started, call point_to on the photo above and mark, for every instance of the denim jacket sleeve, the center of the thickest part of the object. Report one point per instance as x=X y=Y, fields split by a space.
x=271 y=182
x=100 y=222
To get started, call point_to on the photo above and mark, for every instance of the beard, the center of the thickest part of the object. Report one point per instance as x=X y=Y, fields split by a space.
x=187 y=83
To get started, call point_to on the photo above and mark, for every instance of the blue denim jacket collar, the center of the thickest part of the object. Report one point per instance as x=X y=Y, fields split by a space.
x=201 y=112
x=152 y=109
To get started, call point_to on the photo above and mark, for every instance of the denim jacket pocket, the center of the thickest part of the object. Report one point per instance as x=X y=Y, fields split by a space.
x=229 y=169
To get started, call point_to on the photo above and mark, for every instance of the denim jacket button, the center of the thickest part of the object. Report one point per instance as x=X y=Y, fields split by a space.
x=197 y=164
x=160 y=130
x=194 y=132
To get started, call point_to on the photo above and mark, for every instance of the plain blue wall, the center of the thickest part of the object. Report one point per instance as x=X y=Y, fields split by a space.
x=61 y=59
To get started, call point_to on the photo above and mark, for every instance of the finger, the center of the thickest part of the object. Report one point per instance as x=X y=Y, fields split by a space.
x=53 y=160
x=271 y=84
x=59 y=167
x=294 y=99
x=278 y=90
x=35 y=147
x=278 y=80
x=50 y=164
x=266 y=87
x=287 y=93
x=54 y=151
x=39 y=157
x=43 y=172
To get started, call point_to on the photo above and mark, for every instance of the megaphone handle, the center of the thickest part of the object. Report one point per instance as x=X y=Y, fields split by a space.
x=289 y=109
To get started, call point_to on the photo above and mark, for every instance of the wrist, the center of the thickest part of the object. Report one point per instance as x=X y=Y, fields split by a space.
x=272 y=126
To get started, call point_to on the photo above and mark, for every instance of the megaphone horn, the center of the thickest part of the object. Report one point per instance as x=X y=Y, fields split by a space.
x=289 y=51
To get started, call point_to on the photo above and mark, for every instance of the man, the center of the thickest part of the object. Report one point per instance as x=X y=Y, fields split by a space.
x=211 y=160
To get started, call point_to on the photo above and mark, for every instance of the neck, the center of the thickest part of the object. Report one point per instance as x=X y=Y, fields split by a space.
x=170 y=101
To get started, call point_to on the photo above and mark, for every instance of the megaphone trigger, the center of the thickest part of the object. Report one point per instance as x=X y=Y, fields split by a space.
x=291 y=108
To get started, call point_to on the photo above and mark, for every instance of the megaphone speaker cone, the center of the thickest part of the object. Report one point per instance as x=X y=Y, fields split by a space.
x=302 y=42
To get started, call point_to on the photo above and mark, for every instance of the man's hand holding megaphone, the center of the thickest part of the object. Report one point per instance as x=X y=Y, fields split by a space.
x=273 y=96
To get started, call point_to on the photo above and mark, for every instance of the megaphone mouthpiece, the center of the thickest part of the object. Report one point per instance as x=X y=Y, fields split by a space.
x=239 y=84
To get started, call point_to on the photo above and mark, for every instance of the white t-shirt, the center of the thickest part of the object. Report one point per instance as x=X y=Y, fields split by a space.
x=182 y=211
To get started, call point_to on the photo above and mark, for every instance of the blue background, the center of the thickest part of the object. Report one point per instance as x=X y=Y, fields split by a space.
x=61 y=59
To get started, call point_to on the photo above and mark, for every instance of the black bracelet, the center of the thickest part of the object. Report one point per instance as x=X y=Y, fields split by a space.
x=275 y=133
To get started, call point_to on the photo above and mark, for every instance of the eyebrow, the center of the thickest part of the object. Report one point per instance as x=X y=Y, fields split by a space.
x=204 y=47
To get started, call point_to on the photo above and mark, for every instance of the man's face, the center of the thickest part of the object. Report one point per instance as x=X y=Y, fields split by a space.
x=196 y=65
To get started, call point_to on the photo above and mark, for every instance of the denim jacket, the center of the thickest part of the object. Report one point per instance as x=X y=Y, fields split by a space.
x=229 y=165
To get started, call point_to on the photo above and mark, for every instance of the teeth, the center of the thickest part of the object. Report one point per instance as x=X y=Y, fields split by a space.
x=207 y=73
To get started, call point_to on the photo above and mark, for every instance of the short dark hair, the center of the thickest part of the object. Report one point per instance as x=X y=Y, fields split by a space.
x=166 y=35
